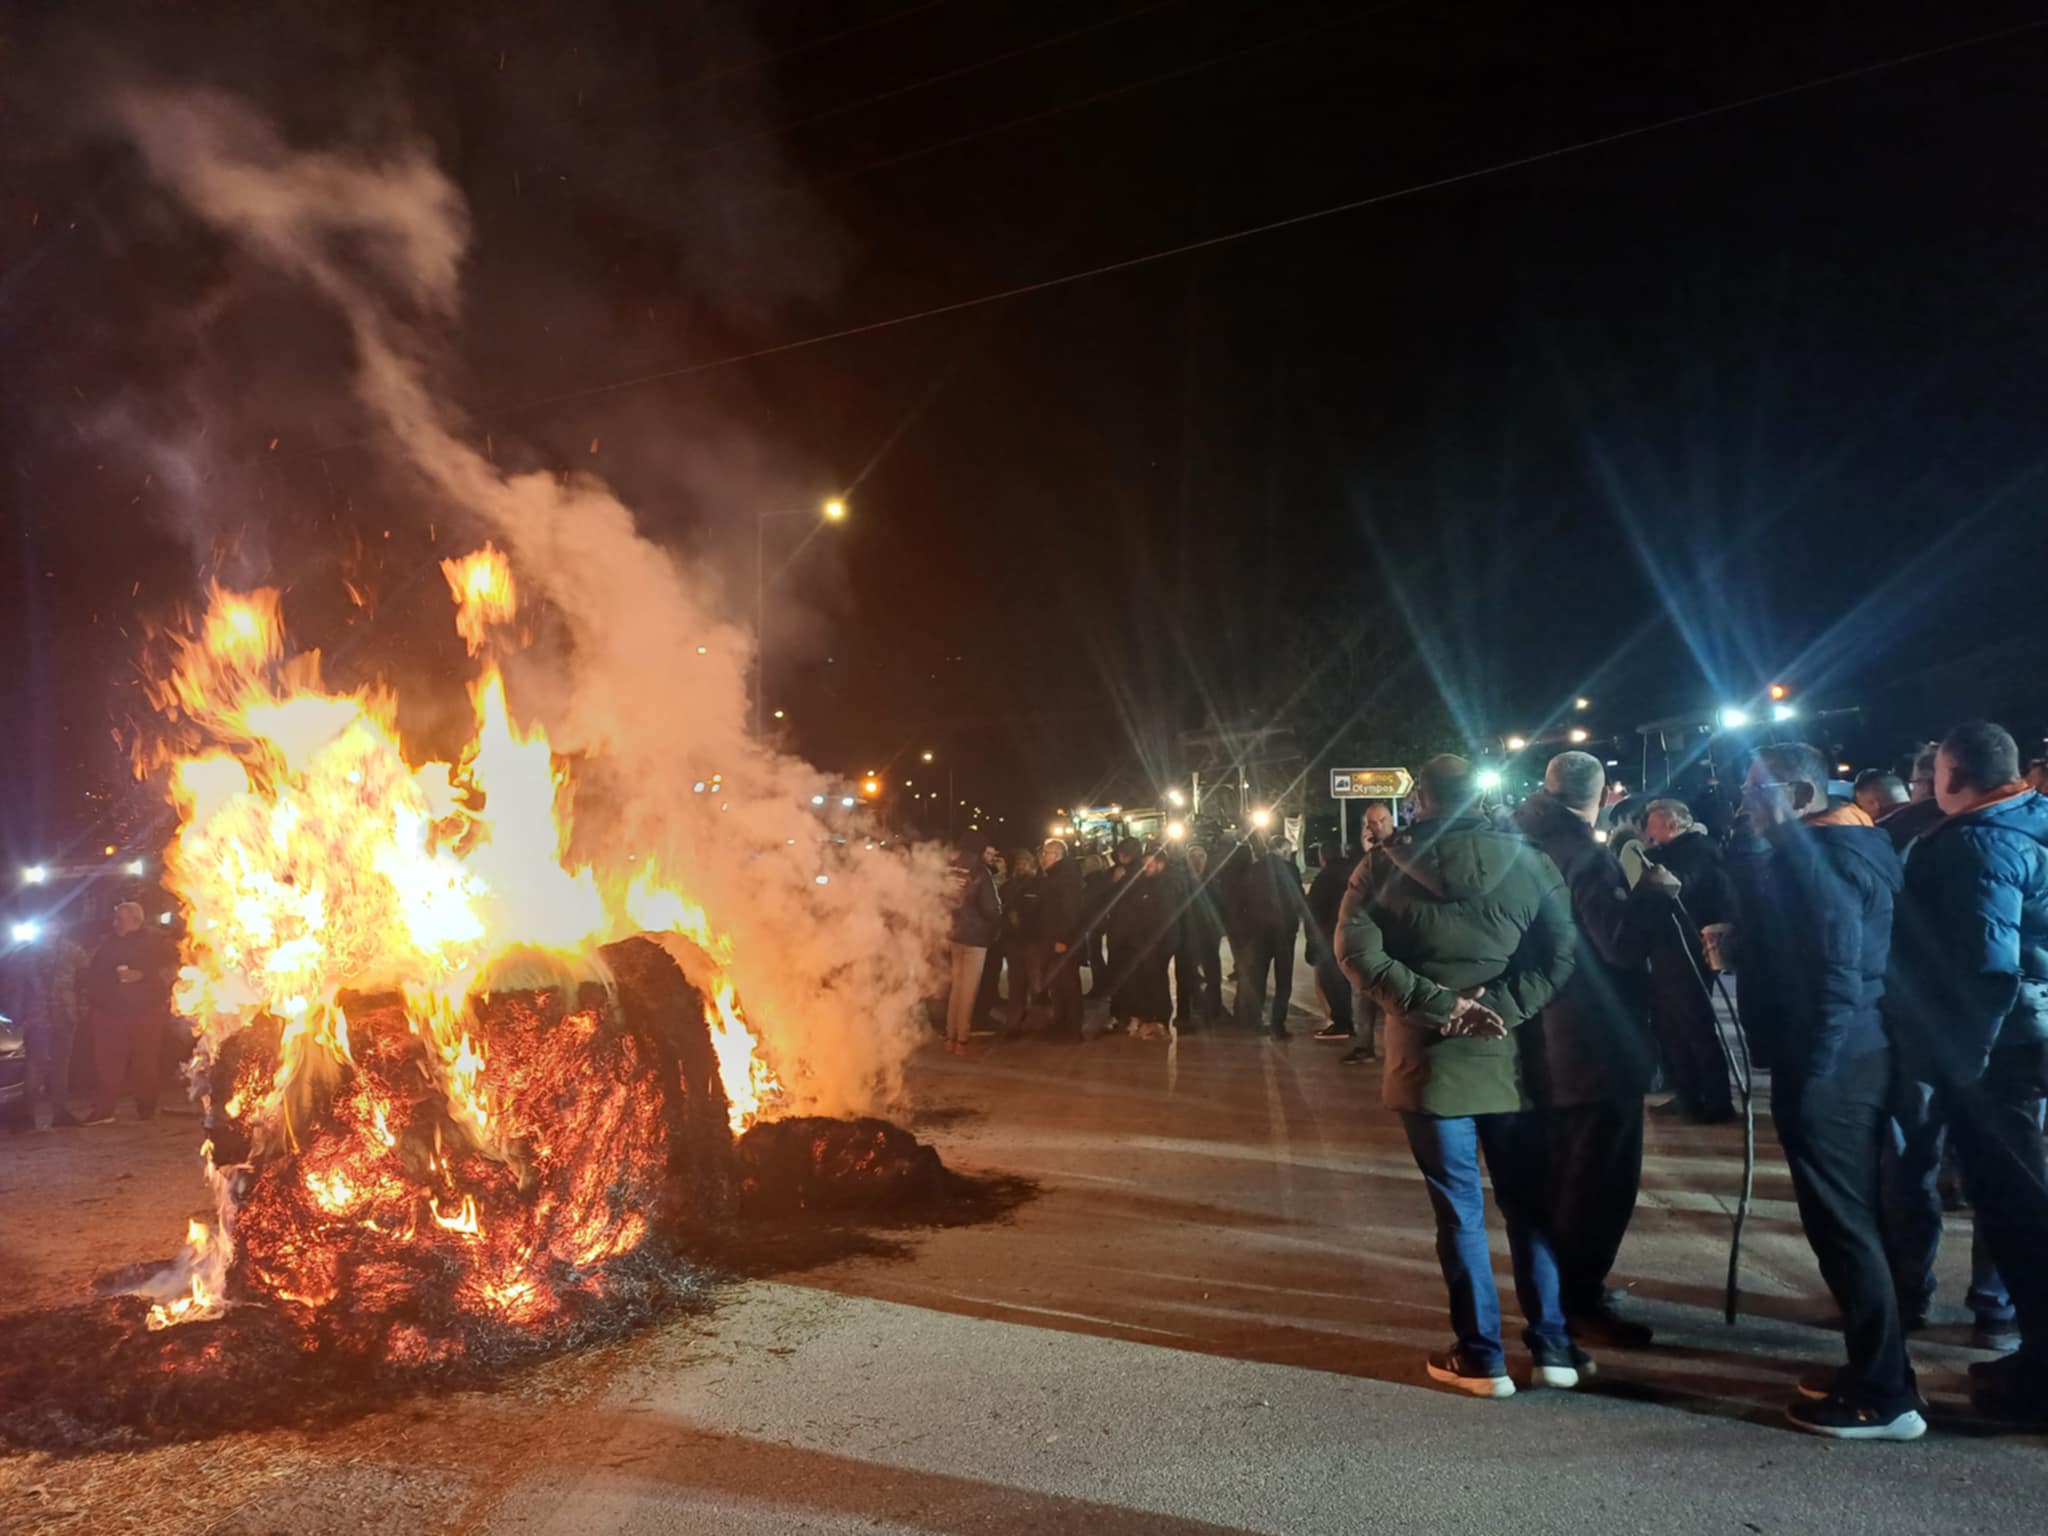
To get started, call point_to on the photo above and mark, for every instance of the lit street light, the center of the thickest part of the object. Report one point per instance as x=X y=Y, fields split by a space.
x=1578 y=736
x=1517 y=743
x=35 y=874
x=833 y=511
x=1262 y=818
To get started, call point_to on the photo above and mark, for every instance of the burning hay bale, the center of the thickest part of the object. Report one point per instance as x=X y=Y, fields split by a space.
x=407 y=1215
x=810 y=1163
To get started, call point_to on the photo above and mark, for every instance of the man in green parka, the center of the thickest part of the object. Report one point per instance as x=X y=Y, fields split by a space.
x=1461 y=931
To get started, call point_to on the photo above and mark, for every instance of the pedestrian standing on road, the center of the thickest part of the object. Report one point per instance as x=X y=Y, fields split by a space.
x=1203 y=925
x=1269 y=911
x=1062 y=919
x=128 y=989
x=1365 y=1013
x=1681 y=1009
x=1461 y=933
x=1590 y=1058
x=1817 y=888
x=1145 y=934
x=1969 y=1005
x=977 y=920
x=1023 y=939
x=43 y=991
x=1118 y=933
x=1325 y=900
x=1904 y=823
x=1095 y=941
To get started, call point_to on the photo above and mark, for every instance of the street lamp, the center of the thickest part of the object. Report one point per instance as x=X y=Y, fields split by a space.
x=833 y=511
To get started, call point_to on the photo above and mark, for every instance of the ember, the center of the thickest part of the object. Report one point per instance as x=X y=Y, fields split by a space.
x=503 y=1108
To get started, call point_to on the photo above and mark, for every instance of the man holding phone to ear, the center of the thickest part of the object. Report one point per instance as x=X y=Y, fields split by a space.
x=1460 y=931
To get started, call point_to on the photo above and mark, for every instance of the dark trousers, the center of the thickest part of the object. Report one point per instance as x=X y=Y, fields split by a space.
x=1834 y=1130
x=127 y=1055
x=991 y=989
x=1595 y=1167
x=1688 y=1040
x=1913 y=1210
x=1063 y=989
x=1206 y=965
x=2005 y=1170
x=1336 y=989
x=1268 y=950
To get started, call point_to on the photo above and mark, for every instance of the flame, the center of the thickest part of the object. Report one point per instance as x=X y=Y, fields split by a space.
x=314 y=859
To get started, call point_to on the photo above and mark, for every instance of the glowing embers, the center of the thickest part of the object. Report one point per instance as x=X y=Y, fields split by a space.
x=387 y=1204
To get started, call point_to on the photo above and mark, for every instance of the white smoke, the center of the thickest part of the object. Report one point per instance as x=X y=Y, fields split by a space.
x=834 y=941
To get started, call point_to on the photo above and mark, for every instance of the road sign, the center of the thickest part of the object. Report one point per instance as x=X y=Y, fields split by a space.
x=1371 y=783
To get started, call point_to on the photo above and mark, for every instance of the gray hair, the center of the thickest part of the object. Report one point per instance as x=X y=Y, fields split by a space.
x=1575 y=778
x=1679 y=812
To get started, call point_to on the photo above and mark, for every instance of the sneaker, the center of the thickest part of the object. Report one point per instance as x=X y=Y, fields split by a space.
x=98 y=1120
x=1282 y=1032
x=1561 y=1367
x=1356 y=1056
x=1334 y=1032
x=1840 y=1420
x=1817 y=1384
x=1452 y=1370
x=1999 y=1337
x=1606 y=1326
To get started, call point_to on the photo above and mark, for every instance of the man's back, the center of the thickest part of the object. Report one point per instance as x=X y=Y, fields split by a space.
x=1445 y=907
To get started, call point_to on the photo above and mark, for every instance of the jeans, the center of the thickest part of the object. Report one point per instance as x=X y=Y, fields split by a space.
x=969 y=960
x=1834 y=1130
x=1996 y=1125
x=1447 y=1151
x=1912 y=1210
x=1593 y=1157
x=1273 y=949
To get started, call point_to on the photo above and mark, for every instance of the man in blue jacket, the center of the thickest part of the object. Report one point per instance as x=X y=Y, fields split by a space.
x=1817 y=887
x=1970 y=1006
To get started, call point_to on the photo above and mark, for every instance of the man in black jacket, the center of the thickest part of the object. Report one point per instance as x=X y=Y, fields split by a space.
x=1062 y=919
x=1817 y=887
x=1203 y=925
x=1681 y=1010
x=1268 y=915
x=977 y=924
x=1325 y=897
x=1588 y=1060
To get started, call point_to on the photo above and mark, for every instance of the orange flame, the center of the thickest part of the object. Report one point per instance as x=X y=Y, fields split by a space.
x=312 y=857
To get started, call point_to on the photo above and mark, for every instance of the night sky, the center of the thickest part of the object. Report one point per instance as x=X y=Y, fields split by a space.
x=1656 y=421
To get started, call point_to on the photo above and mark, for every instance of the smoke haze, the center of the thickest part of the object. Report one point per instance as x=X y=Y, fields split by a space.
x=637 y=670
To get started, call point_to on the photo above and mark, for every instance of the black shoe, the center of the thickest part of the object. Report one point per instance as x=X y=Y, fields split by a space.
x=2010 y=1388
x=1356 y=1055
x=1996 y=1370
x=1561 y=1367
x=1334 y=1032
x=1281 y=1032
x=1452 y=1369
x=2000 y=1337
x=1841 y=1420
x=1603 y=1325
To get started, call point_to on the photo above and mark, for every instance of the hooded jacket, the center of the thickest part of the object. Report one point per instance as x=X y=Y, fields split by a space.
x=1817 y=901
x=1442 y=907
x=977 y=909
x=1970 y=949
x=1593 y=1043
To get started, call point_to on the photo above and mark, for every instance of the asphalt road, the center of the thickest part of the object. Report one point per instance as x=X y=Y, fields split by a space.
x=1212 y=1318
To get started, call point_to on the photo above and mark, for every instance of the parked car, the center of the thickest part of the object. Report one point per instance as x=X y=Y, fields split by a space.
x=13 y=1064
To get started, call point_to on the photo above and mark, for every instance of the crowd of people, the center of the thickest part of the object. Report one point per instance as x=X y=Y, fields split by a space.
x=112 y=997
x=1532 y=973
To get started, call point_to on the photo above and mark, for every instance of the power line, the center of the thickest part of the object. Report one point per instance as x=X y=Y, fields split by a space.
x=1437 y=184
x=957 y=72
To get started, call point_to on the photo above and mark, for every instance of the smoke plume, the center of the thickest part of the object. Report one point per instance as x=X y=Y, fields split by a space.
x=635 y=674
